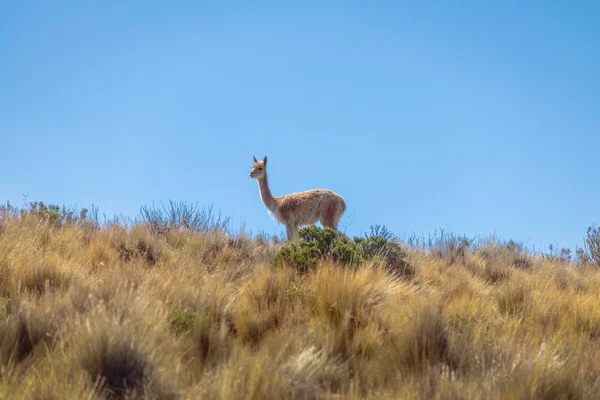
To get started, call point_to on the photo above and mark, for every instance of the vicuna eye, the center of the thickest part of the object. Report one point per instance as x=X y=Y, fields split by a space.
x=260 y=169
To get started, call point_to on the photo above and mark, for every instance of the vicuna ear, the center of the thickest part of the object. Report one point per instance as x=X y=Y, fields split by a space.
x=255 y=160
x=265 y=161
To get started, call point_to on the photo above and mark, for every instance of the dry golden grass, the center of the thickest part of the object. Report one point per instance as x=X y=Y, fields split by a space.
x=109 y=312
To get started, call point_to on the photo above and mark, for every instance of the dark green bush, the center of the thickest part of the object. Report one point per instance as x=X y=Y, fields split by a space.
x=345 y=251
x=302 y=255
x=316 y=244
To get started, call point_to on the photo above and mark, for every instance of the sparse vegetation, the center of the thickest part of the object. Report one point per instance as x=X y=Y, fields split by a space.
x=181 y=215
x=590 y=253
x=167 y=309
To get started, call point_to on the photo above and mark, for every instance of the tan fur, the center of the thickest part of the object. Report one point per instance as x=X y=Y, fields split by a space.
x=301 y=208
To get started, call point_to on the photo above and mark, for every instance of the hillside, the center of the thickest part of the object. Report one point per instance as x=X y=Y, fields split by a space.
x=169 y=309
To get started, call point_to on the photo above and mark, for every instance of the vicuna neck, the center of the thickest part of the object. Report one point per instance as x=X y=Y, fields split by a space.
x=265 y=193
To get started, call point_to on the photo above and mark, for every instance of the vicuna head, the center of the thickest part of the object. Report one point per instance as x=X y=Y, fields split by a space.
x=259 y=168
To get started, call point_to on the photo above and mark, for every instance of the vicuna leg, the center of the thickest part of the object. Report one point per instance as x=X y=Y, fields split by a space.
x=291 y=231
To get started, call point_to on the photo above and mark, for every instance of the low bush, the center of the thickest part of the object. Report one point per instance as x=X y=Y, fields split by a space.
x=316 y=244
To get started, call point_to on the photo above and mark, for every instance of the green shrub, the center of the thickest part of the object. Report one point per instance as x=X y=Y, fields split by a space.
x=316 y=244
x=300 y=255
x=345 y=251
x=182 y=319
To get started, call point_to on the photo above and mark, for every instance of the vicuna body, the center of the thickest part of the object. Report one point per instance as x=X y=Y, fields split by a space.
x=301 y=208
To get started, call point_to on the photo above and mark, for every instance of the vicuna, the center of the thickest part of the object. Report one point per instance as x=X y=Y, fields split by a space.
x=301 y=208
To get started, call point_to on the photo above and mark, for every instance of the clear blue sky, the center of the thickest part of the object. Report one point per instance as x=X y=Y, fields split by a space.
x=480 y=119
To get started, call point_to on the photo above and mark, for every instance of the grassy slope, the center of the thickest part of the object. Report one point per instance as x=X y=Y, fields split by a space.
x=84 y=309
